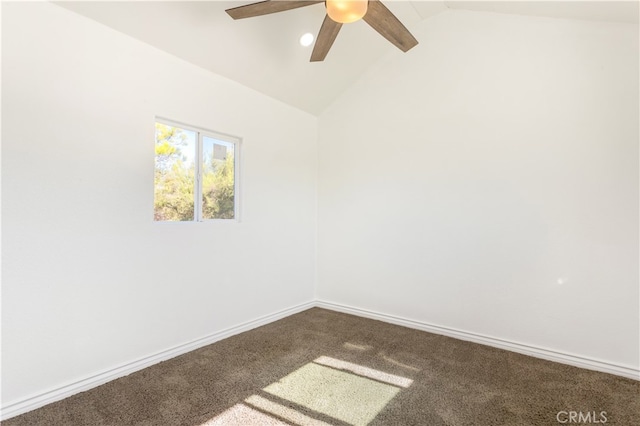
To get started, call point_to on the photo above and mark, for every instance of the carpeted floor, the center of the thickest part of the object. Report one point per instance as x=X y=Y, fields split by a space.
x=321 y=367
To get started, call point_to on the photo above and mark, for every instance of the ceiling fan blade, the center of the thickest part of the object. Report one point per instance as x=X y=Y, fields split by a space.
x=327 y=35
x=383 y=21
x=267 y=7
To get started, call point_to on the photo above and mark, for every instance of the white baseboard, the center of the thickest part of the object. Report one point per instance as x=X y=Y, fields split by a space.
x=24 y=405
x=535 y=351
x=41 y=399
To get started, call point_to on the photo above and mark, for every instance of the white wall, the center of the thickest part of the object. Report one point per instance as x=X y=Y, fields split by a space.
x=487 y=181
x=458 y=183
x=89 y=281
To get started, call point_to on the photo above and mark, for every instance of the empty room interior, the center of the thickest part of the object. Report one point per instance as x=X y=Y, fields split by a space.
x=320 y=213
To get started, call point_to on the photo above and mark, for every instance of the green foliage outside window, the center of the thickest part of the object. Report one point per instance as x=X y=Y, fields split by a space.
x=174 y=180
x=217 y=188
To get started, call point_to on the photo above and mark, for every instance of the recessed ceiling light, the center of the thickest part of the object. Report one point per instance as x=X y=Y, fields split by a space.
x=306 y=39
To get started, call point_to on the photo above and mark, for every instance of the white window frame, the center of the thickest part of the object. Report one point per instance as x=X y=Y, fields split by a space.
x=201 y=133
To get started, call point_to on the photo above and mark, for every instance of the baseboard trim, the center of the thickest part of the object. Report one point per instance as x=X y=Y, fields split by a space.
x=24 y=405
x=531 y=350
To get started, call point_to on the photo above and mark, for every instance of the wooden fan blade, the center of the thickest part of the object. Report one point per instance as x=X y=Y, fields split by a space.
x=383 y=21
x=327 y=35
x=267 y=7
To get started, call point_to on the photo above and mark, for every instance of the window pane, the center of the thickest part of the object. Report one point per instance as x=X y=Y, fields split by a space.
x=217 y=179
x=174 y=173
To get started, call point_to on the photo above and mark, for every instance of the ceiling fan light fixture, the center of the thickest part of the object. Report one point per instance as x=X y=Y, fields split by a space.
x=346 y=11
x=339 y=12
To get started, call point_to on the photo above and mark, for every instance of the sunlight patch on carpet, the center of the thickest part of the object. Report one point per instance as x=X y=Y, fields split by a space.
x=378 y=375
x=283 y=412
x=341 y=395
x=241 y=415
x=357 y=347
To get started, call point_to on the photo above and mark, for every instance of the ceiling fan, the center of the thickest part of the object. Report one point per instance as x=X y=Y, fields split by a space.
x=339 y=12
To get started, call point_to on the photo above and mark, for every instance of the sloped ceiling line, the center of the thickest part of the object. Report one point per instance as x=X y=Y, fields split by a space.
x=263 y=53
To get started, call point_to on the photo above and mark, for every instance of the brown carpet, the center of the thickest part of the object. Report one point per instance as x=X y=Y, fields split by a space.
x=321 y=367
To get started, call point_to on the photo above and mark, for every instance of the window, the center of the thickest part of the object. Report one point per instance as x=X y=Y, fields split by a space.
x=190 y=161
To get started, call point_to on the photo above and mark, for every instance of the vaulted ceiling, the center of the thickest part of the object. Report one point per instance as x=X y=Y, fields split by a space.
x=264 y=52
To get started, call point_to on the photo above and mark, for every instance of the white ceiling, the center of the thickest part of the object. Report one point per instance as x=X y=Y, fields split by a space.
x=264 y=53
